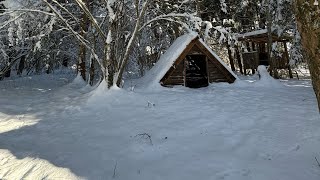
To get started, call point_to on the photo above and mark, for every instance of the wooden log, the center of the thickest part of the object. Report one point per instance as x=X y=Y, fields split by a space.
x=239 y=60
x=231 y=59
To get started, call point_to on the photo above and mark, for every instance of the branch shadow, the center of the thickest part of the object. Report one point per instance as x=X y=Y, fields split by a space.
x=68 y=143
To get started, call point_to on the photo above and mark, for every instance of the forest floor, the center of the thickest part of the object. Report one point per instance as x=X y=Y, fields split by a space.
x=52 y=127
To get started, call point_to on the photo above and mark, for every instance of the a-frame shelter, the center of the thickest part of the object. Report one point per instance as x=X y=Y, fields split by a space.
x=190 y=62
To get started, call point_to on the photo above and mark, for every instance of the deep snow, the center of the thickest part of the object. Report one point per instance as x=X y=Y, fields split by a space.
x=59 y=129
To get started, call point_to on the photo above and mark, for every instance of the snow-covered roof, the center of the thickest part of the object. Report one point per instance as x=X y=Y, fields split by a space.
x=253 y=33
x=263 y=32
x=156 y=73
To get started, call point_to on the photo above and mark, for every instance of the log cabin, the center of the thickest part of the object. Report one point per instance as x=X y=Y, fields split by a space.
x=190 y=62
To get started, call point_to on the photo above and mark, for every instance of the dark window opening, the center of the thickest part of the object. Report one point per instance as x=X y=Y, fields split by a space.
x=196 y=71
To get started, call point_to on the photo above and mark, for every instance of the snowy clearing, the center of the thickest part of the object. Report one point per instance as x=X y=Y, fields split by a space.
x=54 y=129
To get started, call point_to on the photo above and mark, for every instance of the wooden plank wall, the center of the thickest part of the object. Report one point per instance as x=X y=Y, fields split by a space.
x=177 y=76
x=214 y=73
x=217 y=72
x=250 y=60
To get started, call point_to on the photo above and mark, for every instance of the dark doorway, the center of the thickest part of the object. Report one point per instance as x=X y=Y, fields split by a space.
x=263 y=55
x=196 y=71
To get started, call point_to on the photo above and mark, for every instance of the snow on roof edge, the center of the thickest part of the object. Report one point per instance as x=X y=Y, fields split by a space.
x=252 y=33
x=256 y=32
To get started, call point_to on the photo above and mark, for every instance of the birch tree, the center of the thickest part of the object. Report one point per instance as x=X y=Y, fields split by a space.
x=118 y=36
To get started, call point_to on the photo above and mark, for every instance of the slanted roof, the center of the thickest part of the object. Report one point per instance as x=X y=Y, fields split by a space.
x=167 y=60
x=261 y=36
x=154 y=75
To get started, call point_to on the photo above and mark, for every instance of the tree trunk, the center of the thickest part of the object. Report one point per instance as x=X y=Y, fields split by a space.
x=124 y=61
x=92 y=68
x=82 y=60
x=8 y=72
x=273 y=70
x=109 y=74
x=65 y=61
x=308 y=20
x=21 y=65
x=82 y=48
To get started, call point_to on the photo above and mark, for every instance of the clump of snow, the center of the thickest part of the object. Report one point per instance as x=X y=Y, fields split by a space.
x=102 y=88
x=111 y=13
x=207 y=30
x=265 y=79
x=223 y=6
x=37 y=46
x=79 y=80
x=11 y=4
x=101 y=93
x=109 y=37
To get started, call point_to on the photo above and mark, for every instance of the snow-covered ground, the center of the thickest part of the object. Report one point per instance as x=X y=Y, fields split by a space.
x=54 y=128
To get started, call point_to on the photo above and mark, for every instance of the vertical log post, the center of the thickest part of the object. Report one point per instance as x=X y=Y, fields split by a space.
x=286 y=55
x=231 y=59
x=253 y=49
x=239 y=59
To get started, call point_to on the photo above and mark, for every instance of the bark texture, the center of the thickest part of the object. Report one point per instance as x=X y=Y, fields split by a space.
x=82 y=48
x=308 y=20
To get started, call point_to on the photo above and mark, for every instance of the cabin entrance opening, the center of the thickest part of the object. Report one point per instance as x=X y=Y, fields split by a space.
x=196 y=71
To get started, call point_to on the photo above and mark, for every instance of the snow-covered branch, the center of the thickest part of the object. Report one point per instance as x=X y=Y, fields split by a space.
x=91 y=18
x=168 y=17
x=124 y=61
x=11 y=20
x=10 y=11
x=79 y=37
